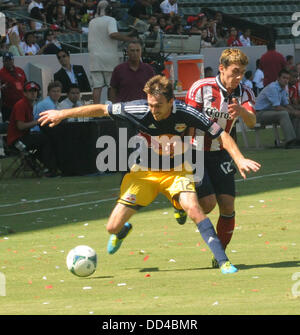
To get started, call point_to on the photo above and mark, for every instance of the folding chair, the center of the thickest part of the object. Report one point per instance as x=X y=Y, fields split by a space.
x=22 y=161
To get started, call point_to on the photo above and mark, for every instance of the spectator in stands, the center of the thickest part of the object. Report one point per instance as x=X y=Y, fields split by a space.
x=39 y=19
x=12 y=79
x=245 y=38
x=233 y=40
x=71 y=74
x=15 y=46
x=103 y=40
x=162 y=23
x=56 y=32
x=22 y=121
x=73 y=19
x=169 y=7
x=17 y=26
x=208 y=72
x=298 y=68
x=143 y=9
x=290 y=65
x=249 y=79
x=51 y=48
x=72 y=100
x=271 y=63
x=293 y=88
x=272 y=106
x=128 y=79
x=221 y=37
x=35 y=4
x=29 y=46
x=54 y=90
x=258 y=79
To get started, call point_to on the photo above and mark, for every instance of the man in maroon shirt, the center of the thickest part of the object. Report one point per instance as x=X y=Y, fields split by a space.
x=271 y=63
x=12 y=80
x=127 y=83
x=20 y=123
x=129 y=78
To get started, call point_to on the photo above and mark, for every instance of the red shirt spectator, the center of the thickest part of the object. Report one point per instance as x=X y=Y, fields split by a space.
x=271 y=63
x=233 y=40
x=22 y=111
x=12 y=81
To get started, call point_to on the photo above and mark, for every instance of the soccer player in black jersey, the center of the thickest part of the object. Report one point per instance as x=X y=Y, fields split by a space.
x=160 y=116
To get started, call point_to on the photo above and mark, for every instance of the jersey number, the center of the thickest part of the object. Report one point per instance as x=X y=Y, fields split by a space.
x=226 y=167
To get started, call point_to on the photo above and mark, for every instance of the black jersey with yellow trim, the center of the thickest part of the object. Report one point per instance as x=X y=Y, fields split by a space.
x=182 y=116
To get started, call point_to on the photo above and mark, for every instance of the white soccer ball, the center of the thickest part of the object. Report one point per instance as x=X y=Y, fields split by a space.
x=82 y=261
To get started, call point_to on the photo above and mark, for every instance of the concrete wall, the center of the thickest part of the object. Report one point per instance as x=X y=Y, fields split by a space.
x=211 y=58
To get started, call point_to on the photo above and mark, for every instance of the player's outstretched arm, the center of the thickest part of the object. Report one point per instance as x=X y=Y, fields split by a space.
x=54 y=117
x=243 y=164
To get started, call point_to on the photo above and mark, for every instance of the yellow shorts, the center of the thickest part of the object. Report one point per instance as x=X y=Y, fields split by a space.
x=139 y=189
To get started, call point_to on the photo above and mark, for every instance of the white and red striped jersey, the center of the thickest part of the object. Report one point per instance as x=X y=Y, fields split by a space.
x=209 y=96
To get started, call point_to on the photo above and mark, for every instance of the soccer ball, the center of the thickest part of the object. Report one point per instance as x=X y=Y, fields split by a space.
x=82 y=261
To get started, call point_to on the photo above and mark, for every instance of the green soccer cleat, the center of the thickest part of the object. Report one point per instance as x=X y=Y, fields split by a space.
x=180 y=216
x=214 y=263
x=114 y=243
x=227 y=267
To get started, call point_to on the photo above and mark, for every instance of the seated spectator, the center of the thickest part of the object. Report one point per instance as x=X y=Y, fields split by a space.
x=169 y=7
x=73 y=21
x=72 y=100
x=162 y=23
x=50 y=47
x=290 y=65
x=205 y=40
x=293 y=89
x=208 y=72
x=220 y=37
x=35 y=4
x=272 y=106
x=39 y=19
x=71 y=74
x=17 y=26
x=15 y=45
x=248 y=79
x=29 y=46
x=22 y=121
x=12 y=80
x=258 y=79
x=50 y=102
x=245 y=38
x=233 y=40
x=143 y=9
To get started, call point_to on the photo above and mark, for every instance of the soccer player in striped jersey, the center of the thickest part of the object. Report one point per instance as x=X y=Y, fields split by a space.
x=223 y=99
x=160 y=115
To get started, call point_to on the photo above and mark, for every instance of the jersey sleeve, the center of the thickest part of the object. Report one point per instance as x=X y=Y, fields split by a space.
x=199 y=120
x=248 y=99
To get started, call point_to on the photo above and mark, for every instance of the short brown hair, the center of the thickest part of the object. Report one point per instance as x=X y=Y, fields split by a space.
x=54 y=84
x=159 y=85
x=233 y=56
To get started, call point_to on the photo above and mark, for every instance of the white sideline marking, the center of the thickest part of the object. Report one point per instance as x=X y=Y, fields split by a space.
x=45 y=199
x=268 y=175
x=110 y=199
x=61 y=207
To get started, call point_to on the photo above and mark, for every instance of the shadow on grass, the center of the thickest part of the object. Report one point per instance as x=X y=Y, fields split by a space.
x=286 y=264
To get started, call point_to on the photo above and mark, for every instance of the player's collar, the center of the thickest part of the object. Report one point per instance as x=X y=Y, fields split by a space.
x=236 y=93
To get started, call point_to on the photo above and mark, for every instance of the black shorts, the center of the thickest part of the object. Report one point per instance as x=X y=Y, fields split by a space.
x=219 y=171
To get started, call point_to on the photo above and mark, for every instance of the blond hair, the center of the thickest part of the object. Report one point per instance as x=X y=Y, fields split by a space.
x=233 y=56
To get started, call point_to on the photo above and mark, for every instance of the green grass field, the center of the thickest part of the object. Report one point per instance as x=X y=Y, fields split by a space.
x=162 y=268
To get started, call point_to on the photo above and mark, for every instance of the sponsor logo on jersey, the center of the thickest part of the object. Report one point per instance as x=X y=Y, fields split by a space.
x=214 y=113
x=180 y=127
x=116 y=109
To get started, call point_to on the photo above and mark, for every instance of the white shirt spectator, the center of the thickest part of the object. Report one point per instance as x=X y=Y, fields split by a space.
x=258 y=79
x=66 y=104
x=32 y=49
x=248 y=83
x=245 y=41
x=169 y=6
